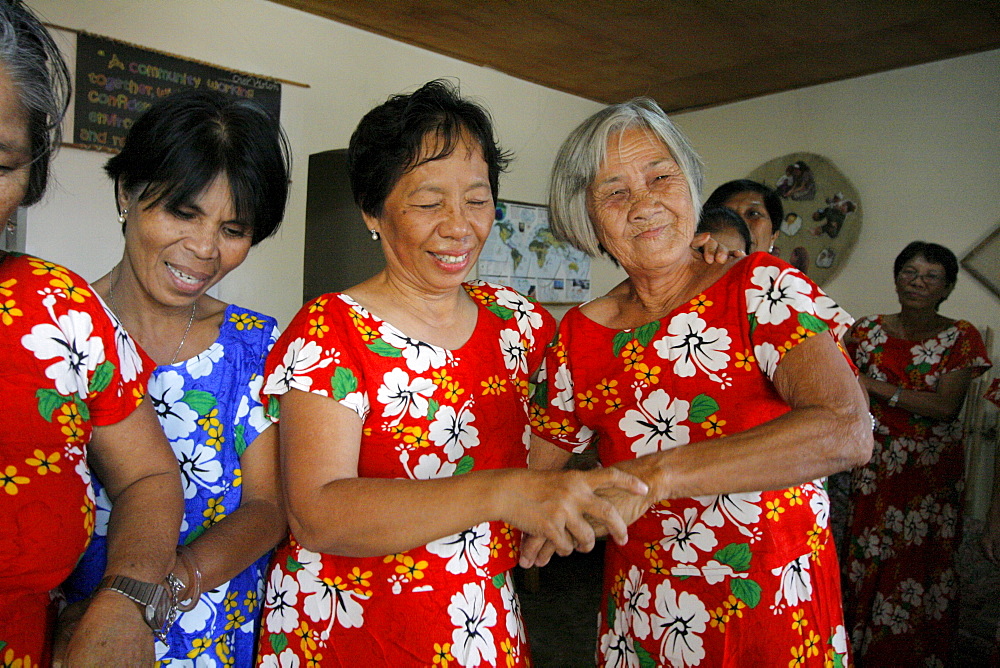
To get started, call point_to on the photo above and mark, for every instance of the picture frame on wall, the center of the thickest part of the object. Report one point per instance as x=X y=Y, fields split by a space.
x=983 y=262
x=521 y=252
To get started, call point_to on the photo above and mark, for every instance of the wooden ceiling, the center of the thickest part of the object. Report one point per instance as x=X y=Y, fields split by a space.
x=686 y=54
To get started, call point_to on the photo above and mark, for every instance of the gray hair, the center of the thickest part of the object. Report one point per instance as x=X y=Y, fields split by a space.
x=33 y=61
x=583 y=153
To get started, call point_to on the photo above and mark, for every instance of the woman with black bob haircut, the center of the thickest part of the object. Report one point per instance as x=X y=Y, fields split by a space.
x=202 y=178
x=757 y=204
x=404 y=421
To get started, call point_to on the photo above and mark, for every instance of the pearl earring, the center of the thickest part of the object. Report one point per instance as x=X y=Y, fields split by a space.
x=375 y=235
x=121 y=216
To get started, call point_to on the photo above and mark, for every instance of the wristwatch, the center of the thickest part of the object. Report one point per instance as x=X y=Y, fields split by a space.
x=158 y=604
x=894 y=399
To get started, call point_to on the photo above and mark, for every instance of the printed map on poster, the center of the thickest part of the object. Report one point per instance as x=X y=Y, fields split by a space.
x=522 y=253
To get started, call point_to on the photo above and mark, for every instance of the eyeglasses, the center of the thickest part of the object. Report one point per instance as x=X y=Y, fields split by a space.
x=910 y=274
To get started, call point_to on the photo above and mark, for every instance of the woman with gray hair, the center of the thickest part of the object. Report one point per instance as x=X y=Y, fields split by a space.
x=73 y=385
x=718 y=385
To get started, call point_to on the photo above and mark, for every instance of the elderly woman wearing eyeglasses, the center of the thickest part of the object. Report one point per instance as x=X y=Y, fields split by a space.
x=906 y=503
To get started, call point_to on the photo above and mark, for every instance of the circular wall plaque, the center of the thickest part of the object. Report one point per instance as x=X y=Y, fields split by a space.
x=823 y=213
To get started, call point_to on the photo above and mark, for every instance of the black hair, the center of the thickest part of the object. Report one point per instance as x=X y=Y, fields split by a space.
x=934 y=253
x=719 y=218
x=772 y=201
x=184 y=141
x=389 y=140
x=34 y=63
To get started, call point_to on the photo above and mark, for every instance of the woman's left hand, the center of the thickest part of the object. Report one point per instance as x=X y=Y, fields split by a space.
x=711 y=250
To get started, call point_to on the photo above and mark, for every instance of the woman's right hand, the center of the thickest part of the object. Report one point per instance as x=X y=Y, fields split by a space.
x=561 y=506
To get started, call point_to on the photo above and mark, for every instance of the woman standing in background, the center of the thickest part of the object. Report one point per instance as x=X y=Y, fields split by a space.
x=905 y=516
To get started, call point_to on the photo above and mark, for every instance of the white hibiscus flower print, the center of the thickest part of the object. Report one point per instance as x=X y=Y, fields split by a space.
x=830 y=311
x=616 y=645
x=685 y=536
x=282 y=594
x=656 y=425
x=894 y=457
x=694 y=347
x=70 y=343
x=201 y=365
x=927 y=352
x=287 y=659
x=911 y=592
x=331 y=601
x=914 y=527
x=453 y=430
x=893 y=519
x=525 y=313
x=563 y=400
x=472 y=639
x=470 y=547
x=400 y=395
x=678 y=623
x=819 y=503
x=767 y=358
x=839 y=641
x=636 y=597
x=200 y=466
x=796 y=583
x=515 y=352
x=166 y=391
x=130 y=362
x=778 y=291
x=300 y=359
x=251 y=406
x=419 y=356
x=948 y=520
x=204 y=612
x=431 y=466
x=512 y=606
x=102 y=507
x=740 y=509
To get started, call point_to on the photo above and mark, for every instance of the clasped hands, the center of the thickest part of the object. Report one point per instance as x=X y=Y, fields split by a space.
x=600 y=502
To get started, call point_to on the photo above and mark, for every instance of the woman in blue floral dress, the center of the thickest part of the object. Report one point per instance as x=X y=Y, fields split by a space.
x=201 y=179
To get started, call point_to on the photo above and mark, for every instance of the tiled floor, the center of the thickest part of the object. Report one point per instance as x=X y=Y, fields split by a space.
x=561 y=615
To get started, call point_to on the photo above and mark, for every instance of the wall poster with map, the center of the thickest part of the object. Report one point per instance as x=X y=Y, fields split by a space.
x=522 y=252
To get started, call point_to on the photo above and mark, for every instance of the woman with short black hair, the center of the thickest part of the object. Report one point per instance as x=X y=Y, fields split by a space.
x=905 y=515
x=201 y=179
x=757 y=204
x=405 y=414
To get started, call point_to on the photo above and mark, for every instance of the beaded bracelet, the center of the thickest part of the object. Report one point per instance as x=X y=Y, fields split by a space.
x=185 y=554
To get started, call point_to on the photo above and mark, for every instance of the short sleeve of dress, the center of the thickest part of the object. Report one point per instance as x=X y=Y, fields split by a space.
x=784 y=308
x=553 y=417
x=967 y=352
x=76 y=340
x=257 y=341
x=320 y=352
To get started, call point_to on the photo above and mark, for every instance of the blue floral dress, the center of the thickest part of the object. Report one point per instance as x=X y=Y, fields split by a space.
x=209 y=407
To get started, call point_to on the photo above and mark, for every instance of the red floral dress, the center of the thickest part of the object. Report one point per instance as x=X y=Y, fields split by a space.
x=733 y=580
x=427 y=413
x=66 y=367
x=906 y=503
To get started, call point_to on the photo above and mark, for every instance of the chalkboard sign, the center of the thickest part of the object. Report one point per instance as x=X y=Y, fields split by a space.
x=116 y=82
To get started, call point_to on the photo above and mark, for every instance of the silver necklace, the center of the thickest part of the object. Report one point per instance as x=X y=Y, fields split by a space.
x=114 y=307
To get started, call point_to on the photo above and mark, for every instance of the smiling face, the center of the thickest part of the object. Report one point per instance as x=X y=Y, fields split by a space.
x=640 y=203
x=15 y=151
x=437 y=218
x=750 y=206
x=176 y=255
x=921 y=284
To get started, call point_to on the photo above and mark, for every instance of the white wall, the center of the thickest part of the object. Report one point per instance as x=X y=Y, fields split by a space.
x=348 y=70
x=921 y=146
